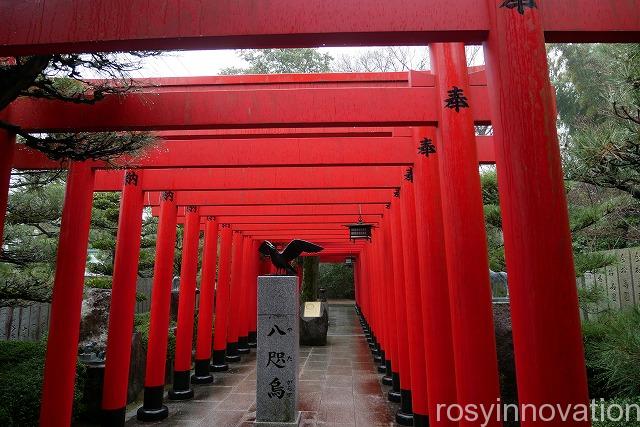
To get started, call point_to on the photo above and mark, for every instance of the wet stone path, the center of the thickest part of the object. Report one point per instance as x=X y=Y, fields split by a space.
x=339 y=386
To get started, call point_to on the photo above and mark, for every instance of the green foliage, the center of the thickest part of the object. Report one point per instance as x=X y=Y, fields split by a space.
x=592 y=261
x=63 y=77
x=589 y=77
x=31 y=237
x=582 y=217
x=148 y=244
x=278 y=61
x=493 y=216
x=98 y=282
x=337 y=279
x=102 y=282
x=590 y=299
x=497 y=260
x=310 y=267
x=102 y=241
x=493 y=219
x=104 y=227
x=620 y=402
x=601 y=220
x=21 y=373
x=489 y=181
x=177 y=254
x=108 y=146
x=612 y=350
x=598 y=93
x=141 y=325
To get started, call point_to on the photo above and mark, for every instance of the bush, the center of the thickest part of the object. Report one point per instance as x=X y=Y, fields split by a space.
x=589 y=262
x=141 y=325
x=21 y=372
x=612 y=351
x=590 y=300
x=21 y=365
x=601 y=414
x=105 y=282
x=489 y=182
x=337 y=279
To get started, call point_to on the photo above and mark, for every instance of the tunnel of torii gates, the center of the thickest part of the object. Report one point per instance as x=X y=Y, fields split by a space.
x=297 y=156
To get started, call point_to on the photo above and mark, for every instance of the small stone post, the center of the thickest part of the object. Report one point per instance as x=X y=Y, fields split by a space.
x=277 y=357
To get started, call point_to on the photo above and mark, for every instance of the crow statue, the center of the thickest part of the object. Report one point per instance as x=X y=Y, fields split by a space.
x=282 y=260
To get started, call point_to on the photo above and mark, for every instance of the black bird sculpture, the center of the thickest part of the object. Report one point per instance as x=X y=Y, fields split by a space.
x=282 y=260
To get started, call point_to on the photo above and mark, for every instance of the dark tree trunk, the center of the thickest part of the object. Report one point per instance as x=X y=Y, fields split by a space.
x=15 y=80
x=311 y=268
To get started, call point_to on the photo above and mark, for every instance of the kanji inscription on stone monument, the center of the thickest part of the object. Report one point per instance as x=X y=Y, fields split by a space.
x=277 y=356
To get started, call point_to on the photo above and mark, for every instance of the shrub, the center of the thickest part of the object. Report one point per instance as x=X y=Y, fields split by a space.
x=337 y=279
x=612 y=350
x=590 y=300
x=21 y=372
x=601 y=414
x=141 y=325
x=105 y=282
x=99 y=282
x=589 y=262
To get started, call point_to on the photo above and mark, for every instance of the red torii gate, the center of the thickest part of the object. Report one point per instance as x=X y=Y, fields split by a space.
x=300 y=233
x=287 y=23
x=198 y=198
x=187 y=201
x=324 y=237
x=548 y=358
x=386 y=106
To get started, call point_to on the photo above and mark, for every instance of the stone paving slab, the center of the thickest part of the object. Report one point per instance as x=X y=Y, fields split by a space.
x=339 y=386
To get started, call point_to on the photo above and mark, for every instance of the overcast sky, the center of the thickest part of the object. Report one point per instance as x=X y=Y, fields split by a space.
x=210 y=62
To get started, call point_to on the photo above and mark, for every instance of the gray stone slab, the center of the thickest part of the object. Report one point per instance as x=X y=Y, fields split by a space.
x=623 y=278
x=278 y=295
x=279 y=424
x=277 y=354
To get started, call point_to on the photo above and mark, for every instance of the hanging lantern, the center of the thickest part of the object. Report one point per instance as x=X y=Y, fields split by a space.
x=359 y=230
x=349 y=261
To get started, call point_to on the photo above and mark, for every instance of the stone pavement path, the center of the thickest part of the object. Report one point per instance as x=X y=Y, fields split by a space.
x=339 y=386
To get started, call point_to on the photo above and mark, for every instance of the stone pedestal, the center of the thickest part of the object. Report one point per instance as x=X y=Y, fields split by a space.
x=277 y=355
x=313 y=329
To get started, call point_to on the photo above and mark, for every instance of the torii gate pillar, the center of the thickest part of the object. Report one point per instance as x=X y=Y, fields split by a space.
x=205 y=309
x=64 y=324
x=234 y=298
x=153 y=409
x=404 y=416
x=431 y=258
x=253 y=297
x=394 y=393
x=464 y=231
x=245 y=282
x=123 y=300
x=7 y=148
x=218 y=361
x=413 y=306
x=549 y=358
x=181 y=389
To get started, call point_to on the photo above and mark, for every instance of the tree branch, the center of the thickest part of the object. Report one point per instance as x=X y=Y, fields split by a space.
x=15 y=79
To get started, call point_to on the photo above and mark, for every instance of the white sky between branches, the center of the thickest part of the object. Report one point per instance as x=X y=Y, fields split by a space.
x=211 y=62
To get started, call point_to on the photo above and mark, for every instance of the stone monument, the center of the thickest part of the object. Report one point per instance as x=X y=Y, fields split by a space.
x=277 y=355
x=278 y=332
x=314 y=323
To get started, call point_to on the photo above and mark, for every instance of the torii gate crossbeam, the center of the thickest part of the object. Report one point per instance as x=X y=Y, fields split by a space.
x=287 y=152
x=125 y=25
x=549 y=357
